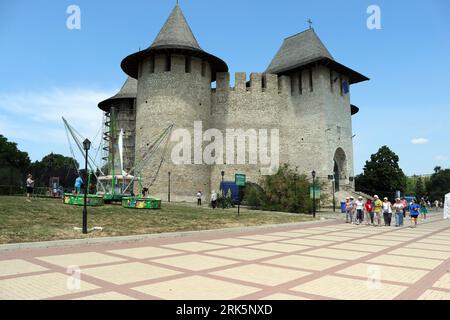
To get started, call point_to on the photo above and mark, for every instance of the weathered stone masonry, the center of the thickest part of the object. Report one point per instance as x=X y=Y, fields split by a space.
x=304 y=94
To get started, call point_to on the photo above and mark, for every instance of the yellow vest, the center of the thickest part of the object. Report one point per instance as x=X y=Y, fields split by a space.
x=378 y=206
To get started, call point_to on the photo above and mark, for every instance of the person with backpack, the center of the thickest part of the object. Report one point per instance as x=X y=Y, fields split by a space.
x=368 y=208
x=414 y=210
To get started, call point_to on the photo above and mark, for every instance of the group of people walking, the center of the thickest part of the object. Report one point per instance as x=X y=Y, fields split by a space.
x=373 y=211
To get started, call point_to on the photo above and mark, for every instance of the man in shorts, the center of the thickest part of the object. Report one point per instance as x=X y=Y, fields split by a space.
x=30 y=187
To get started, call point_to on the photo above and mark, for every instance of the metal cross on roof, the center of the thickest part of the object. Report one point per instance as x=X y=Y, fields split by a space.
x=310 y=23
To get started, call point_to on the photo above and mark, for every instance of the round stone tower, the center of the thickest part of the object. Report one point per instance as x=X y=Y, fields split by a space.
x=121 y=109
x=174 y=87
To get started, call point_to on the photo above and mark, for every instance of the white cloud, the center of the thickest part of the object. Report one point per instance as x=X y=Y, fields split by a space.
x=420 y=141
x=441 y=158
x=35 y=117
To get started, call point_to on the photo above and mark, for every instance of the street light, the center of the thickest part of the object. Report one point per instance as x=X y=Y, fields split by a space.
x=168 y=195
x=223 y=192
x=331 y=178
x=86 y=147
x=314 y=193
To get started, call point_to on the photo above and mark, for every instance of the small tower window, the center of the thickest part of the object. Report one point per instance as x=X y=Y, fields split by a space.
x=331 y=80
x=203 y=68
x=311 y=88
x=188 y=63
x=292 y=85
x=152 y=64
x=168 y=63
x=263 y=82
x=300 y=83
x=341 y=85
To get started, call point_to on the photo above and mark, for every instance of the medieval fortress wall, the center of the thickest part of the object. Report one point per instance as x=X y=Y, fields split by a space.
x=296 y=112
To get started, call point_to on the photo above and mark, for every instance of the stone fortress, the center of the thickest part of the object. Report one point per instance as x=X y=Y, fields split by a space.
x=304 y=93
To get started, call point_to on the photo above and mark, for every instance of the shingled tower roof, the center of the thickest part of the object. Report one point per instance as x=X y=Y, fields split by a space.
x=175 y=37
x=128 y=91
x=304 y=50
x=176 y=33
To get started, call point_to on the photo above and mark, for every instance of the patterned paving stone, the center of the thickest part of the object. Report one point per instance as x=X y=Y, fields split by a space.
x=196 y=288
x=195 y=262
x=280 y=247
x=18 y=266
x=107 y=296
x=435 y=241
x=233 y=242
x=375 y=242
x=128 y=272
x=307 y=242
x=242 y=254
x=428 y=246
x=42 y=286
x=145 y=252
x=359 y=247
x=413 y=262
x=337 y=254
x=305 y=262
x=263 y=238
x=443 y=282
x=261 y=274
x=283 y=296
x=349 y=289
x=330 y=238
x=80 y=259
x=422 y=253
x=385 y=273
x=194 y=246
x=288 y=234
x=435 y=295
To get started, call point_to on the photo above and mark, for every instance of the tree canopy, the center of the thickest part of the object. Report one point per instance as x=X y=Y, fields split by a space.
x=439 y=184
x=55 y=165
x=13 y=163
x=382 y=174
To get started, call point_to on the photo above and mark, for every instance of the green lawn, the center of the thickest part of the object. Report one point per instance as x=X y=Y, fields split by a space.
x=48 y=219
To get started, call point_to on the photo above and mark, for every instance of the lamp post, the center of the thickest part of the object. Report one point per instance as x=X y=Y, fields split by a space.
x=86 y=146
x=168 y=191
x=331 y=178
x=314 y=193
x=223 y=193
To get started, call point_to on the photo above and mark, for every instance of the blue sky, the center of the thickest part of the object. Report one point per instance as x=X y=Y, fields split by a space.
x=48 y=71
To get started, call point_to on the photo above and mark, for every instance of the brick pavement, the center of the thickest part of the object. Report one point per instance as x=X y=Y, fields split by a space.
x=328 y=260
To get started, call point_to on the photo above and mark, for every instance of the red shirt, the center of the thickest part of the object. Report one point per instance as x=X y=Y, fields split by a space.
x=369 y=206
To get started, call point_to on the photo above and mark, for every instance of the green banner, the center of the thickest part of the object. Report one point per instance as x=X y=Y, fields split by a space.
x=317 y=192
x=240 y=180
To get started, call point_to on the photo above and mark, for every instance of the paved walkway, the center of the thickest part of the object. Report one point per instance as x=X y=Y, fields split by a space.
x=328 y=260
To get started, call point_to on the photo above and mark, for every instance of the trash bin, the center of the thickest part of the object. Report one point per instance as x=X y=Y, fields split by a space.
x=343 y=206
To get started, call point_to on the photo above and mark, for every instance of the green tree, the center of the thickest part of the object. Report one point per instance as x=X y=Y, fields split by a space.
x=419 y=190
x=13 y=163
x=439 y=184
x=55 y=165
x=287 y=191
x=382 y=174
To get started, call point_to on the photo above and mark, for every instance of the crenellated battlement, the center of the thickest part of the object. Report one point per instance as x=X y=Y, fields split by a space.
x=259 y=82
x=174 y=63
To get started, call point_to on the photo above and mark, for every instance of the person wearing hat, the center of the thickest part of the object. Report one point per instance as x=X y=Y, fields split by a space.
x=368 y=208
x=399 y=210
x=378 y=207
x=348 y=210
x=359 y=207
x=387 y=212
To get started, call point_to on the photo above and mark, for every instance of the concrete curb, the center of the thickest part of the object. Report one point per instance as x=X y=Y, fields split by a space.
x=137 y=238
